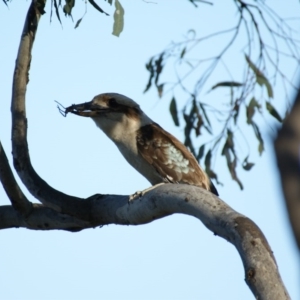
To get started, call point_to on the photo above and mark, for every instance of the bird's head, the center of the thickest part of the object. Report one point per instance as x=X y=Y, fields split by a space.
x=113 y=113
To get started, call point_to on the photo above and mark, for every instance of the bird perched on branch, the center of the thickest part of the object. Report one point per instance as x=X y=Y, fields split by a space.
x=151 y=150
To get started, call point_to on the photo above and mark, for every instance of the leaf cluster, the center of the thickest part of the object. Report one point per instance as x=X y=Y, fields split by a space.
x=67 y=7
x=265 y=31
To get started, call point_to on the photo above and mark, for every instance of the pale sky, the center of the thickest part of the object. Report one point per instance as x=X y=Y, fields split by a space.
x=172 y=258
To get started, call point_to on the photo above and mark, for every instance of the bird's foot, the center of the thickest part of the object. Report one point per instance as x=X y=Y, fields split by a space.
x=140 y=194
x=136 y=195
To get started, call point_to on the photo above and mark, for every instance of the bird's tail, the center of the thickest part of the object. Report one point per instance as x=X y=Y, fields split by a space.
x=213 y=188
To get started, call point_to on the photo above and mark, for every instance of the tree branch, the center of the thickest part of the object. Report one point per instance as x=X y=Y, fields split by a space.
x=261 y=272
x=40 y=218
x=34 y=183
x=287 y=153
x=11 y=187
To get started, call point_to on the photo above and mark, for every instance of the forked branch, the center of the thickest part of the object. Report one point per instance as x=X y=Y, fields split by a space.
x=61 y=211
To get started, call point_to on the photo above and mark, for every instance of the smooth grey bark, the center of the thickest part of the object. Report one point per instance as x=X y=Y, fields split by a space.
x=61 y=211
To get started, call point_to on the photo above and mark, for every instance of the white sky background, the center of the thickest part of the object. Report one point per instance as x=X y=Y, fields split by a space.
x=172 y=258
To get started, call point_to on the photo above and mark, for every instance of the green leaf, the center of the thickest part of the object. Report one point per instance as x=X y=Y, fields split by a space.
x=262 y=80
x=174 y=112
x=207 y=160
x=96 y=6
x=208 y=170
x=250 y=109
x=200 y=152
x=227 y=84
x=149 y=67
x=196 y=117
x=187 y=131
x=228 y=151
x=160 y=89
x=273 y=111
x=159 y=66
x=182 y=53
x=57 y=11
x=204 y=113
x=78 y=22
x=260 y=77
x=236 y=110
x=118 y=19
x=247 y=165
x=67 y=9
x=259 y=138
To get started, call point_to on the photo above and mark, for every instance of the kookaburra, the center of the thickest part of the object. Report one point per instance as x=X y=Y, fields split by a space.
x=151 y=150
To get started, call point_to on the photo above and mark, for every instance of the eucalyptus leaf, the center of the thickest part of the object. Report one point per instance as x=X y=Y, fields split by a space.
x=227 y=84
x=260 y=77
x=97 y=7
x=271 y=109
x=118 y=19
x=174 y=112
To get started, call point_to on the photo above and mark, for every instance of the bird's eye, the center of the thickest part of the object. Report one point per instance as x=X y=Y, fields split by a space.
x=113 y=103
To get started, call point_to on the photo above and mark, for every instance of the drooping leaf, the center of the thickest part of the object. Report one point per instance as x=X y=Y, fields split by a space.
x=260 y=77
x=198 y=120
x=250 y=109
x=188 y=125
x=155 y=67
x=262 y=80
x=182 y=53
x=229 y=140
x=67 y=9
x=118 y=18
x=204 y=113
x=78 y=22
x=256 y=71
x=207 y=161
x=5 y=2
x=150 y=68
x=200 y=152
x=227 y=84
x=233 y=173
x=208 y=169
x=174 y=112
x=229 y=152
x=198 y=125
x=259 y=138
x=271 y=109
x=187 y=132
x=247 y=165
x=97 y=7
x=158 y=67
x=160 y=89
x=236 y=110
x=57 y=11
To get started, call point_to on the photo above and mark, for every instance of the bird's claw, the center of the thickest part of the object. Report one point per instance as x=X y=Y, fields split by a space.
x=136 y=195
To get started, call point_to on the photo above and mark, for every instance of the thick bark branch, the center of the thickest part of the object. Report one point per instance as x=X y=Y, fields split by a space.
x=11 y=187
x=261 y=273
x=287 y=147
x=40 y=218
x=35 y=184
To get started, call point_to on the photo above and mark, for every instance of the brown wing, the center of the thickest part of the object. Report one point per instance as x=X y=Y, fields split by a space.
x=171 y=159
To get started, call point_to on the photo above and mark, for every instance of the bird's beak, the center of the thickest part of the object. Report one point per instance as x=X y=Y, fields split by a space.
x=87 y=109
